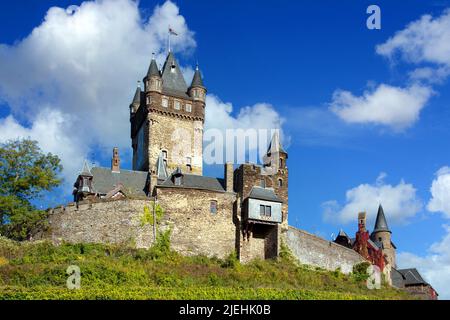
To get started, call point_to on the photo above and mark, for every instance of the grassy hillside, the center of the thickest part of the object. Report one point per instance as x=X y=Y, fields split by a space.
x=38 y=271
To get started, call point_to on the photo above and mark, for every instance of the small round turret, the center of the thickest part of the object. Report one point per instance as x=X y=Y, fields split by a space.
x=197 y=90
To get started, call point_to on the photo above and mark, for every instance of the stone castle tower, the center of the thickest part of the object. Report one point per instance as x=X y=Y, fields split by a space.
x=167 y=121
x=382 y=234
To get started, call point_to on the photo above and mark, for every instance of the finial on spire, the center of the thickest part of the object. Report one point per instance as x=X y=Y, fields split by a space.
x=139 y=84
x=153 y=56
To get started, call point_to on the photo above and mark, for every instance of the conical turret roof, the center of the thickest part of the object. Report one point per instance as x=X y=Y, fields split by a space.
x=380 y=222
x=197 y=81
x=275 y=144
x=153 y=69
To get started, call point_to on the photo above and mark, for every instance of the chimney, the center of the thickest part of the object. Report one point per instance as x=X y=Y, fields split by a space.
x=362 y=221
x=228 y=176
x=115 y=161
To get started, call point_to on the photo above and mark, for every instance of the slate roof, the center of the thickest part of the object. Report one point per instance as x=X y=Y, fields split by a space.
x=153 y=69
x=134 y=182
x=412 y=277
x=264 y=194
x=173 y=80
x=193 y=181
x=197 y=80
x=398 y=280
x=137 y=96
x=380 y=223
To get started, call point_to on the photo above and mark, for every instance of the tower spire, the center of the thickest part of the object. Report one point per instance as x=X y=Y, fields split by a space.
x=380 y=223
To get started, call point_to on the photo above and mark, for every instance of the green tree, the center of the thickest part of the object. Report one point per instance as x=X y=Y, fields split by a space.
x=25 y=173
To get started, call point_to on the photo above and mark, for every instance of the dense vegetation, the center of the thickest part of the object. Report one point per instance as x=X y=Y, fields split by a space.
x=25 y=174
x=38 y=271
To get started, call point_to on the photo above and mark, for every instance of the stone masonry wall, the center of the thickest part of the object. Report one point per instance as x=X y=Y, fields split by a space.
x=116 y=222
x=195 y=230
x=312 y=250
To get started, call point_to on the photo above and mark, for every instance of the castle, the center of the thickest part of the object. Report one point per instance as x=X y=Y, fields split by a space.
x=245 y=212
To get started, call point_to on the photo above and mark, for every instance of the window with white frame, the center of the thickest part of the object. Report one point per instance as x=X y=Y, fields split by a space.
x=177 y=105
x=188 y=107
x=165 y=102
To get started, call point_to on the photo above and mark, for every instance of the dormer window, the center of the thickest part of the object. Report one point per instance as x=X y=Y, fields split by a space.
x=188 y=107
x=165 y=102
x=177 y=105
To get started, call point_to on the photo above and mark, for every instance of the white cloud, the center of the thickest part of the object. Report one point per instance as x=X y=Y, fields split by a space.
x=386 y=105
x=47 y=129
x=440 y=192
x=219 y=115
x=434 y=267
x=399 y=201
x=424 y=40
x=81 y=66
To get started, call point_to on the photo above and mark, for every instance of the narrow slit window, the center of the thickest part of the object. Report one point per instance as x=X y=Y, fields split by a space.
x=213 y=207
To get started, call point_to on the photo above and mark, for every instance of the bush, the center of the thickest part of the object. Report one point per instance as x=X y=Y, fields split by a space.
x=360 y=273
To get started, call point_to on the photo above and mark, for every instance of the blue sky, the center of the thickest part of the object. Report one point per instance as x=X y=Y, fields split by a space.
x=293 y=57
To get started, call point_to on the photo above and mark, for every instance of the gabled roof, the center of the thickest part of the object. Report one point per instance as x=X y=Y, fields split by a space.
x=343 y=234
x=134 y=182
x=172 y=77
x=380 y=223
x=266 y=194
x=192 y=181
x=86 y=171
x=412 y=277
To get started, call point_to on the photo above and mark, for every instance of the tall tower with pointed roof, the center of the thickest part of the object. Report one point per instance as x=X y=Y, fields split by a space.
x=381 y=235
x=168 y=122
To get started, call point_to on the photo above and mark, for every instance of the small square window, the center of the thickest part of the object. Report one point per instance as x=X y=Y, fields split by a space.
x=165 y=103
x=177 y=105
x=188 y=108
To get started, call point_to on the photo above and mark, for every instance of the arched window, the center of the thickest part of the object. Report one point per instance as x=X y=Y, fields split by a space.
x=281 y=163
x=280 y=182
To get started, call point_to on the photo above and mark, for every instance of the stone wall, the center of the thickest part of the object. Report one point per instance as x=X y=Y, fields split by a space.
x=195 y=230
x=312 y=250
x=117 y=221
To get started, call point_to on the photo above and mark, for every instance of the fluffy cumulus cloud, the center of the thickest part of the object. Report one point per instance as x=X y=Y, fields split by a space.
x=386 y=105
x=399 y=201
x=424 y=40
x=440 y=192
x=75 y=74
x=47 y=128
x=69 y=83
x=434 y=266
x=219 y=118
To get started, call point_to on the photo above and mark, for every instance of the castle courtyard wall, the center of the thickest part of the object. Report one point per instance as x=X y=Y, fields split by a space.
x=313 y=250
